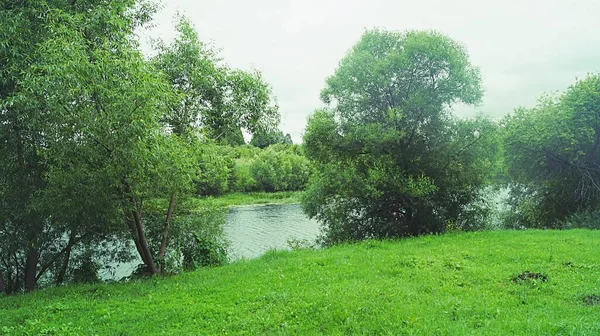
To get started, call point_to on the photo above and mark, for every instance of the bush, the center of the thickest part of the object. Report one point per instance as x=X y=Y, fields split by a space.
x=275 y=170
x=586 y=220
x=243 y=180
x=204 y=252
x=246 y=152
x=215 y=168
x=222 y=169
x=87 y=272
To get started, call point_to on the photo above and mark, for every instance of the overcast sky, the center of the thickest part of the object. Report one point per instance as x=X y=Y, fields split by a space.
x=523 y=48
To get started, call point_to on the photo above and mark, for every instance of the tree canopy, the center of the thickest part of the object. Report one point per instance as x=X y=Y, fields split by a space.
x=392 y=161
x=213 y=99
x=552 y=155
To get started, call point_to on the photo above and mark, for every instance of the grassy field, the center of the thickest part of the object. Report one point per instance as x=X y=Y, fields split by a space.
x=250 y=198
x=455 y=284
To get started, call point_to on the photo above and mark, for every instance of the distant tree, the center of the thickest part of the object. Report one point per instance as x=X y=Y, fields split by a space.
x=391 y=160
x=267 y=138
x=552 y=156
x=213 y=99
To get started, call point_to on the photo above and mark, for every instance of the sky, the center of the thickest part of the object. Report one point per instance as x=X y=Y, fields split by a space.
x=524 y=48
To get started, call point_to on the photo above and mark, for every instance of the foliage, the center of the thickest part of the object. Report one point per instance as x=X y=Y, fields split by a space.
x=280 y=171
x=552 y=156
x=192 y=224
x=588 y=220
x=249 y=198
x=267 y=138
x=87 y=271
x=202 y=241
x=93 y=134
x=243 y=178
x=215 y=166
x=391 y=160
x=246 y=152
x=456 y=284
x=61 y=107
x=204 y=252
x=214 y=100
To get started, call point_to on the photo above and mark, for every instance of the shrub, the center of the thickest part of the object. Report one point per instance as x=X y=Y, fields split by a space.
x=243 y=180
x=215 y=167
x=196 y=236
x=282 y=170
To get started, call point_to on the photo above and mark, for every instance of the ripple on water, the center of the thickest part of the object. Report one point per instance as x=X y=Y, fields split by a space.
x=253 y=230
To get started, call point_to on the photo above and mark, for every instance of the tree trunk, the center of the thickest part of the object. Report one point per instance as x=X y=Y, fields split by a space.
x=60 y=277
x=2 y=286
x=137 y=227
x=31 y=269
x=56 y=256
x=412 y=227
x=131 y=225
x=163 y=243
x=17 y=278
x=147 y=254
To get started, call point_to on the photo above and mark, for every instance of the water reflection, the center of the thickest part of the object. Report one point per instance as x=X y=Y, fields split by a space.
x=253 y=230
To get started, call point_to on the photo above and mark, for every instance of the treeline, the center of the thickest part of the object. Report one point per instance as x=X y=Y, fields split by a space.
x=246 y=168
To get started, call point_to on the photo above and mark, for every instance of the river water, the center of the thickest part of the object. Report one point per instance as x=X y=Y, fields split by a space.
x=252 y=231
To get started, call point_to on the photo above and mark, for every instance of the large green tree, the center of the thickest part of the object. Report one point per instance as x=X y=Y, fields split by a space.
x=82 y=135
x=552 y=155
x=30 y=31
x=392 y=160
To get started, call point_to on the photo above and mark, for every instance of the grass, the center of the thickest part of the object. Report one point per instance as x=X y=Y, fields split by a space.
x=250 y=198
x=455 y=284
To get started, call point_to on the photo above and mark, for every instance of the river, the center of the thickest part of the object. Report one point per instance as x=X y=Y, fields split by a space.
x=253 y=230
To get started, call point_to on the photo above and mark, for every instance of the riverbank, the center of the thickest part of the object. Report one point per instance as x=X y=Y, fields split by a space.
x=250 y=198
x=484 y=283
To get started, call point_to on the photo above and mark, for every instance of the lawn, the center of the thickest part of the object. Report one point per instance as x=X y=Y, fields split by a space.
x=453 y=284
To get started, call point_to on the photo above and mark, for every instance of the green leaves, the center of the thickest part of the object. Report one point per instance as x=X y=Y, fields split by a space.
x=211 y=98
x=81 y=130
x=412 y=71
x=391 y=161
x=552 y=155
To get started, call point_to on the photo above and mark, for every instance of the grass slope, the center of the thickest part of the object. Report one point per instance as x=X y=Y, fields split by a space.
x=455 y=284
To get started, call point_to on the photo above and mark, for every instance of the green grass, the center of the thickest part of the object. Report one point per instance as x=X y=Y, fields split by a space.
x=455 y=284
x=250 y=198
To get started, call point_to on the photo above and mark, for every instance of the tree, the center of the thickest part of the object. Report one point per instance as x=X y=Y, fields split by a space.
x=31 y=237
x=112 y=102
x=81 y=129
x=214 y=100
x=267 y=138
x=552 y=155
x=391 y=160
